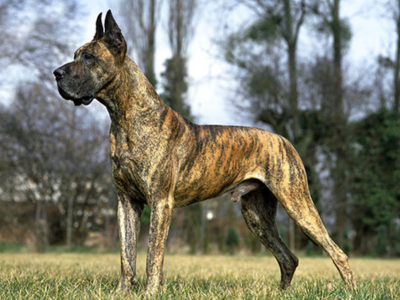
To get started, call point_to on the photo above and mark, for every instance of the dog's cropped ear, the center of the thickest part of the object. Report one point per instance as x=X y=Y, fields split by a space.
x=113 y=36
x=99 y=29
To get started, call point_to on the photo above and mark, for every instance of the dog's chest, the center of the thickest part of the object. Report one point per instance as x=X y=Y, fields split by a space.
x=124 y=171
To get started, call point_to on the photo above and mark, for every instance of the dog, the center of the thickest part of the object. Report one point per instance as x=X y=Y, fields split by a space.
x=163 y=160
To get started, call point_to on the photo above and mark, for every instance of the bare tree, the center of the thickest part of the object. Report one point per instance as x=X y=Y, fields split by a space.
x=279 y=22
x=392 y=7
x=40 y=44
x=140 y=18
x=181 y=25
x=180 y=32
x=53 y=157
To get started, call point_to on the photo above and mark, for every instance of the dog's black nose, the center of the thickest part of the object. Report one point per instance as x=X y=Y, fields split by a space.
x=59 y=73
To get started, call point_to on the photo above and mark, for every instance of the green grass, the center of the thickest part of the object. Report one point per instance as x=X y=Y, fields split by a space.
x=7 y=247
x=95 y=276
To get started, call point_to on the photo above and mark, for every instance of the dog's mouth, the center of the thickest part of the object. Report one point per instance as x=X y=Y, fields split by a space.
x=86 y=100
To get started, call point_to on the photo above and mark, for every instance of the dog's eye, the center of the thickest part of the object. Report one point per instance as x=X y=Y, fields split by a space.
x=87 y=56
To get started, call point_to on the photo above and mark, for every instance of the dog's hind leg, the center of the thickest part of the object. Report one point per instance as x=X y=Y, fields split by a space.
x=259 y=211
x=288 y=183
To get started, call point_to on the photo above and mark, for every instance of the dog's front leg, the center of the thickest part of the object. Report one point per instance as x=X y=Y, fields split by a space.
x=129 y=214
x=160 y=220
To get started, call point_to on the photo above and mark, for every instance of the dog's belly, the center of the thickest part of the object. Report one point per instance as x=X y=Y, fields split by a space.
x=209 y=180
x=205 y=187
x=186 y=194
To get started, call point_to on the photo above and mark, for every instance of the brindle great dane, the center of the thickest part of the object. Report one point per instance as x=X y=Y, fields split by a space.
x=161 y=159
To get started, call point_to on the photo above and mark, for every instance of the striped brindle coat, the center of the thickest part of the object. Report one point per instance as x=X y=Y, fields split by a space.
x=161 y=159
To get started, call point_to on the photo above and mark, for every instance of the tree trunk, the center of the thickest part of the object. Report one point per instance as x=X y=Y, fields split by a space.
x=293 y=90
x=41 y=228
x=337 y=57
x=291 y=41
x=340 y=193
x=149 y=69
x=192 y=227
x=338 y=120
x=70 y=216
x=292 y=235
x=396 y=83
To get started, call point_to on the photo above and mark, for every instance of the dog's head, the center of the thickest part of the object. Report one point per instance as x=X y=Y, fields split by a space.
x=95 y=64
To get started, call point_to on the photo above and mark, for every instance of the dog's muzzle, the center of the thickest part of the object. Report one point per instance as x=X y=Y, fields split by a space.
x=60 y=74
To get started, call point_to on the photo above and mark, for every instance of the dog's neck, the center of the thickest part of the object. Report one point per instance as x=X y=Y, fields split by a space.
x=142 y=103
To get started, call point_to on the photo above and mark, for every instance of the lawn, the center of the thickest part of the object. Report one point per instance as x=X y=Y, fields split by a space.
x=95 y=276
